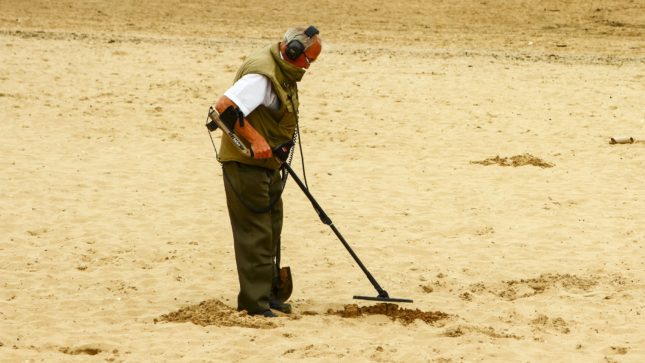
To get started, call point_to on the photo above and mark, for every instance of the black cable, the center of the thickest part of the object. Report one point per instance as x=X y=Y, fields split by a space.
x=302 y=156
x=211 y=136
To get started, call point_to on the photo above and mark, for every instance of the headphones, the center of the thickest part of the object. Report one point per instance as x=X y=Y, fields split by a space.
x=295 y=48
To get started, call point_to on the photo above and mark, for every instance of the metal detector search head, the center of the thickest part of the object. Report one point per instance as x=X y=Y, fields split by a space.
x=383 y=296
x=383 y=299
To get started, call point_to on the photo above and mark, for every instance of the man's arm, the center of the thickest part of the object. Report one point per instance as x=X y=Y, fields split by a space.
x=260 y=147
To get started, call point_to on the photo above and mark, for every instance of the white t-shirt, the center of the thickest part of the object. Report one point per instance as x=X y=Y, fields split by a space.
x=251 y=91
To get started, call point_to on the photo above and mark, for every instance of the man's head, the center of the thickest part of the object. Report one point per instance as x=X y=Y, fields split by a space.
x=301 y=46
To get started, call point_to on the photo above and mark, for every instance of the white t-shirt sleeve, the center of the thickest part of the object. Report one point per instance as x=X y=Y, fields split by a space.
x=251 y=91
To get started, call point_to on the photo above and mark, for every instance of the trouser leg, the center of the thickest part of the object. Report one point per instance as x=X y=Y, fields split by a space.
x=254 y=234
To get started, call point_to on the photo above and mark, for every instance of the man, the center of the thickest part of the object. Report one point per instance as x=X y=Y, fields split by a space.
x=265 y=93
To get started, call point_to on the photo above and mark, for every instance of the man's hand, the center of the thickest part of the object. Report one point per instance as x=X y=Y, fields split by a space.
x=261 y=149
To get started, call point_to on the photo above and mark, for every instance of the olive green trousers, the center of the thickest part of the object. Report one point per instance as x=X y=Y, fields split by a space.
x=255 y=233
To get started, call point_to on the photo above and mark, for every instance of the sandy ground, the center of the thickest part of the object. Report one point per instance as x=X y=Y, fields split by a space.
x=462 y=148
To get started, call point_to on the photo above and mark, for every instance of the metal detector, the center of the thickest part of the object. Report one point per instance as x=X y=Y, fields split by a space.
x=281 y=153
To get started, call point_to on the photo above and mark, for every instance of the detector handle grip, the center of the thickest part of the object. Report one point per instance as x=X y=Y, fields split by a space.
x=228 y=129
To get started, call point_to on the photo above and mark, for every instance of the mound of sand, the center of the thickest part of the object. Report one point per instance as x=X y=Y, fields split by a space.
x=515 y=161
x=393 y=311
x=215 y=312
x=459 y=330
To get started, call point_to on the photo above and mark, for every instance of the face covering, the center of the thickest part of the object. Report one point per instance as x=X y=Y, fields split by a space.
x=290 y=71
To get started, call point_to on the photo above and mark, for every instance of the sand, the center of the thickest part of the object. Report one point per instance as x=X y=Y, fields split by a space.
x=462 y=148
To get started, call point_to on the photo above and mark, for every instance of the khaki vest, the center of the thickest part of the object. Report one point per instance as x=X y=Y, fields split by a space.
x=277 y=127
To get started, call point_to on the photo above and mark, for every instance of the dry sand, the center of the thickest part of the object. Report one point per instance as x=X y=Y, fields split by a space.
x=462 y=148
